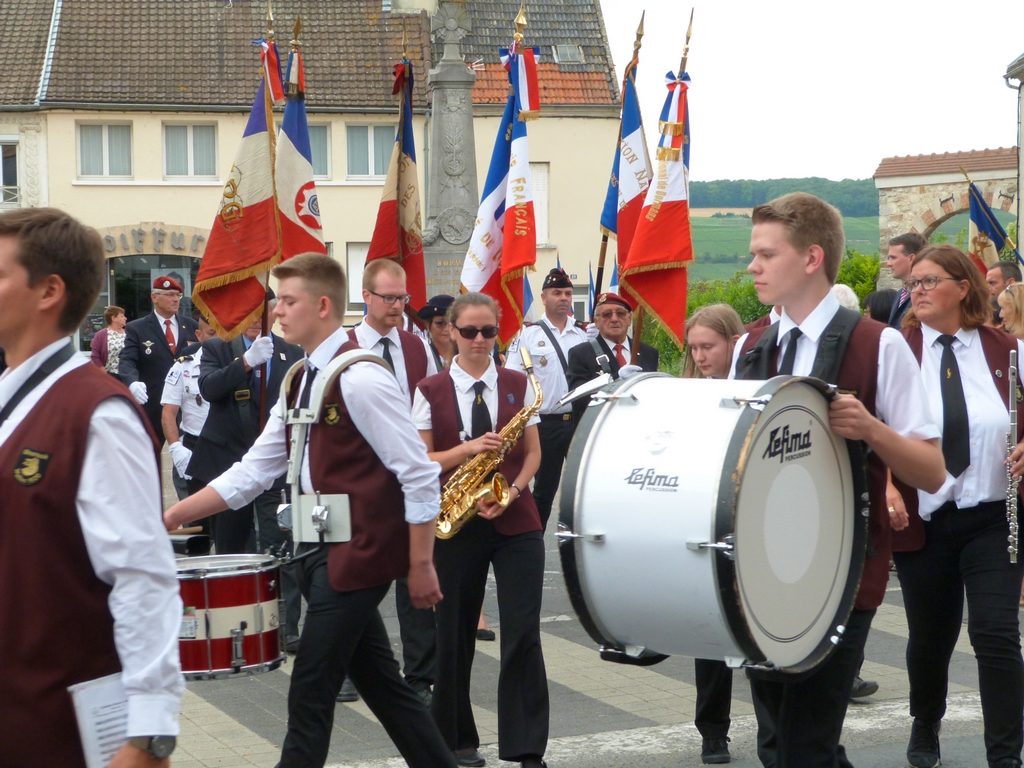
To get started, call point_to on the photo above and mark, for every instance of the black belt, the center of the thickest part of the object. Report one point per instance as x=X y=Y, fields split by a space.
x=189 y=440
x=567 y=416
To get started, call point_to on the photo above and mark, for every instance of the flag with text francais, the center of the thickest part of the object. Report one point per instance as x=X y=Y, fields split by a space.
x=504 y=241
x=655 y=270
x=245 y=238
x=986 y=236
x=301 y=227
x=631 y=172
x=398 y=233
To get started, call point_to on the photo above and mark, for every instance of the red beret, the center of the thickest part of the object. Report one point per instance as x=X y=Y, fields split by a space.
x=167 y=284
x=612 y=298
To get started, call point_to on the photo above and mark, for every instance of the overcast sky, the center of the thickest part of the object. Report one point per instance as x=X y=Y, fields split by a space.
x=795 y=88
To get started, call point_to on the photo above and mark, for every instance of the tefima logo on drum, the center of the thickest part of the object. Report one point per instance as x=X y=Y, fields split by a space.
x=649 y=480
x=786 y=446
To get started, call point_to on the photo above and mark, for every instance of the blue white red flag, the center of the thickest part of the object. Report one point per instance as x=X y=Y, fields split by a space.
x=504 y=242
x=613 y=284
x=270 y=60
x=654 y=273
x=986 y=235
x=244 y=242
x=631 y=172
x=398 y=233
x=301 y=228
x=521 y=64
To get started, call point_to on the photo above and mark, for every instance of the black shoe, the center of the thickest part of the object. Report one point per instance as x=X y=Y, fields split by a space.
x=485 y=634
x=291 y=643
x=861 y=689
x=347 y=692
x=715 y=751
x=533 y=762
x=470 y=757
x=923 y=749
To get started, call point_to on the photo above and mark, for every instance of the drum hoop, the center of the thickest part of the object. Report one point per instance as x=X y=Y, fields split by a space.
x=233 y=565
x=733 y=471
x=593 y=416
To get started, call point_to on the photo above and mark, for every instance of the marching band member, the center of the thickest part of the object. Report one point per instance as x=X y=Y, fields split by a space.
x=548 y=341
x=459 y=413
x=365 y=447
x=796 y=245
x=961 y=545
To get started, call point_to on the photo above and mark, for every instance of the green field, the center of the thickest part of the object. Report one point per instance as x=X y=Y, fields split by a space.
x=721 y=247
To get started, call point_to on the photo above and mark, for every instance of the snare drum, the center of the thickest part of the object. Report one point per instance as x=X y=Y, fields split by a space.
x=230 y=620
x=712 y=519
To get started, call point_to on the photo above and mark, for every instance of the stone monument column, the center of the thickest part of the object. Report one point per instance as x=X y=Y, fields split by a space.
x=452 y=197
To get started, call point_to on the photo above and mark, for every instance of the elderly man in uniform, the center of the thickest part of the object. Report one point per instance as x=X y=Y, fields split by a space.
x=549 y=341
x=150 y=345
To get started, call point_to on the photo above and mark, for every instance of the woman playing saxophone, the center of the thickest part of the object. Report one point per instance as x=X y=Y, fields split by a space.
x=460 y=413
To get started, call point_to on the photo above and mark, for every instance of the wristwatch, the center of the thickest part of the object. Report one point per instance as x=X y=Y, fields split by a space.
x=158 y=746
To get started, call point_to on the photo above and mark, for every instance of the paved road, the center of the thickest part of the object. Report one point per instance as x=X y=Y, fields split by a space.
x=602 y=715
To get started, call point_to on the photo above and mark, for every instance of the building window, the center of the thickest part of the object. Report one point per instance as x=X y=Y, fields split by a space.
x=539 y=173
x=190 y=150
x=581 y=302
x=568 y=54
x=355 y=257
x=369 y=149
x=9 y=174
x=104 y=150
x=320 y=150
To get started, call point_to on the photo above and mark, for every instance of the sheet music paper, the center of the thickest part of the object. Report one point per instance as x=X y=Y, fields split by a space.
x=101 y=708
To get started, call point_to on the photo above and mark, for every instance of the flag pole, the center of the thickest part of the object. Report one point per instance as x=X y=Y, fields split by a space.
x=630 y=69
x=638 y=318
x=988 y=211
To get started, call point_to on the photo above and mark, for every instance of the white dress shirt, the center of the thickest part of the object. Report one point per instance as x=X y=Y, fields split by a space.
x=421 y=412
x=119 y=510
x=370 y=340
x=381 y=415
x=174 y=326
x=899 y=398
x=181 y=388
x=985 y=477
x=546 y=365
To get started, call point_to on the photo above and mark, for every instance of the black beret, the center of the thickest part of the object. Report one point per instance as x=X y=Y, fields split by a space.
x=436 y=306
x=557 y=278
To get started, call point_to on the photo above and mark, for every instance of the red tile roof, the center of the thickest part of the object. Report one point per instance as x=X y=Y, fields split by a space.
x=1001 y=159
x=556 y=87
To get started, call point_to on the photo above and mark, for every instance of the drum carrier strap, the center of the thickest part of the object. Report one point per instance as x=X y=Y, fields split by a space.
x=602 y=358
x=759 y=363
x=558 y=347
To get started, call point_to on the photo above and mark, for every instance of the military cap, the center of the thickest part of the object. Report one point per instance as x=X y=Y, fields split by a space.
x=557 y=278
x=608 y=297
x=167 y=283
x=436 y=306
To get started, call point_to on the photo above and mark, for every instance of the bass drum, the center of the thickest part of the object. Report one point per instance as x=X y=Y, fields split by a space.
x=712 y=519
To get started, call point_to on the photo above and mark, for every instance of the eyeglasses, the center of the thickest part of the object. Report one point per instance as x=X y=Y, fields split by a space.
x=610 y=313
x=389 y=300
x=470 y=331
x=926 y=284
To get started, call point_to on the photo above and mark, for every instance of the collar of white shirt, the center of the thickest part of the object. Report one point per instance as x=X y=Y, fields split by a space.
x=464 y=382
x=569 y=325
x=814 y=324
x=611 y=345
x=160 y=319
x=324 y=353
x=12 y=378
x=368 y=337
x=965 y=336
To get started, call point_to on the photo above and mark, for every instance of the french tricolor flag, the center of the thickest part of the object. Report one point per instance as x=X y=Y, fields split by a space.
x=522 y=66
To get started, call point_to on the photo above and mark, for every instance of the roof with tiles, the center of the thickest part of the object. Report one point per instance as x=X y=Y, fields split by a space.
x=26 y=26
x=1001 y=159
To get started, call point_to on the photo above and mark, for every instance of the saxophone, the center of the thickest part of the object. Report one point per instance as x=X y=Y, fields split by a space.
x=475 y=479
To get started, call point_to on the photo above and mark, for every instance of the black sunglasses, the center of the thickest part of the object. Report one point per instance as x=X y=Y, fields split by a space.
x=470 y=331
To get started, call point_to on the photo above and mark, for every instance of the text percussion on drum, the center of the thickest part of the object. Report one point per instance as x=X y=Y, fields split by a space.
x=712 y=519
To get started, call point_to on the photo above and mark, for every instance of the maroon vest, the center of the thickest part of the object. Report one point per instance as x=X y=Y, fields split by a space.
x=858 y=373
x=439 y=390
x=341 y=461
x=57 y=628
x=414 y=354
x=997 y=346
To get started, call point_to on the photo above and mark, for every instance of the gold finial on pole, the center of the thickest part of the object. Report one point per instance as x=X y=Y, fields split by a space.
x=686 y=47
x=270 y=21
x=520 y=22
x=639 y=35
x=295 y=43
x=405 y=43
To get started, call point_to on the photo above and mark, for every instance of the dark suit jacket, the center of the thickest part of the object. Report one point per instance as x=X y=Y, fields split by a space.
x=233 y=423
x=898 y=311
x=583 y=366
x=147 y=358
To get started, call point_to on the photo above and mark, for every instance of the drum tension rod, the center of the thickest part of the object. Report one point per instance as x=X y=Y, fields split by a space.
x=757 y=403
x=726 y=546
x=602 y=397
x=567 y=535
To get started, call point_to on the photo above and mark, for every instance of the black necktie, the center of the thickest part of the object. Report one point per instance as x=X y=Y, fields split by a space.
x=386 y=343
x=786 y=369
x=480 y=416
x=956 y=444
x=307 y=388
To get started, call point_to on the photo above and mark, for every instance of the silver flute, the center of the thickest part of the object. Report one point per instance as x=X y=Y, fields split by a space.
x=1011 y=443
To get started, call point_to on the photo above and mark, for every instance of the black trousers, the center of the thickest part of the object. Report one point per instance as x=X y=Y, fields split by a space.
x=419 y=640
x=800 y=719
x=270 y=537
x=714 y=698
x=462 y=564
x=555 y=436
x=344 y=634
x=965 y=551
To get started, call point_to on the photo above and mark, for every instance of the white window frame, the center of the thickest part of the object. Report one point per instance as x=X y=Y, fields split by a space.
x=540 y=185
x=190 y=150
x=10 y=194
x=370 y=159
x=355 y=260
x=105 y=143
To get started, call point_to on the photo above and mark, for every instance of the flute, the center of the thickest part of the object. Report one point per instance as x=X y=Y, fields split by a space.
x=1011 y=442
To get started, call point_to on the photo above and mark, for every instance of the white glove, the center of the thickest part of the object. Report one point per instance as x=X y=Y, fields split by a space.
x=626 y=371
x=181 y=456
x=591 y=331
x=261 y=350
x=138 y=390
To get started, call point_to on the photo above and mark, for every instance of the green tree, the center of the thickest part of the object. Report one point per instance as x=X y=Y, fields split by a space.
x=860 y=272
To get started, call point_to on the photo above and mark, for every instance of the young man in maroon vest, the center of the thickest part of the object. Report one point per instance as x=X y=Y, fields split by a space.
x=367 y=448
x=384 y=293
x=796 y=245
x=93 y=590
